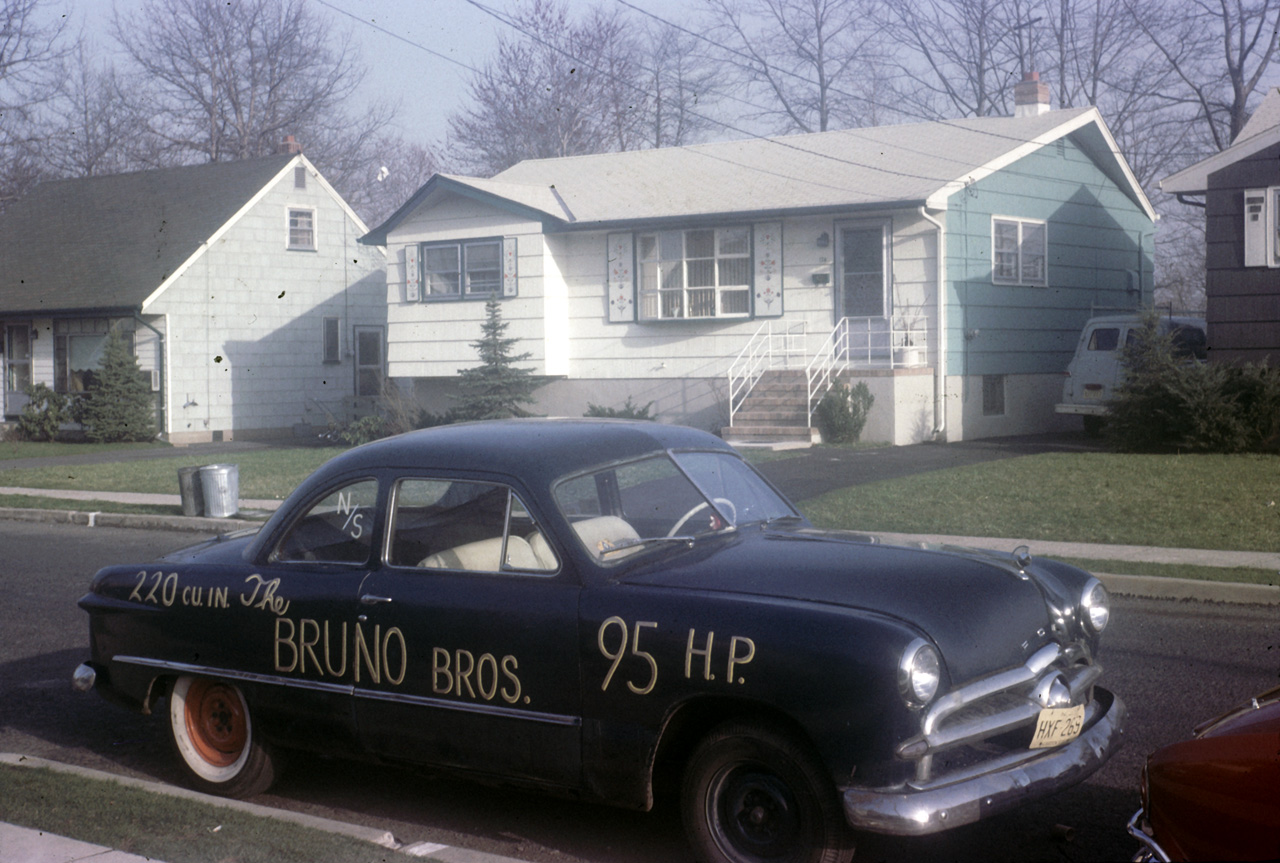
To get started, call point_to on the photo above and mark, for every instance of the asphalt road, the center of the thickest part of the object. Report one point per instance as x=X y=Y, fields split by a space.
x=1173 y=663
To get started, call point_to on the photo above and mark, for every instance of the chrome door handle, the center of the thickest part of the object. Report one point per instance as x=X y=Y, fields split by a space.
x=370 y=599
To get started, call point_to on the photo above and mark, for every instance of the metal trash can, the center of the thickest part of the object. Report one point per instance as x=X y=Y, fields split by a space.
x=189 y=489
x=221 y=486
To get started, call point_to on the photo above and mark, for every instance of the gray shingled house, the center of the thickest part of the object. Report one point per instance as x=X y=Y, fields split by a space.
x=248 y=301
x=1241 y=199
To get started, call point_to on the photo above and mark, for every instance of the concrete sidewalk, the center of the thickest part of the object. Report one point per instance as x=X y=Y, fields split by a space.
x=24 y=845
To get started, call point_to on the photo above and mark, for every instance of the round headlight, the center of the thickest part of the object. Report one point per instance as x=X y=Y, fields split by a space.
x=919 y=673
x=1095 y=606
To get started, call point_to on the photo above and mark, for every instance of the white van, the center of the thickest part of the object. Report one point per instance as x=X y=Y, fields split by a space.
x=1097 y=366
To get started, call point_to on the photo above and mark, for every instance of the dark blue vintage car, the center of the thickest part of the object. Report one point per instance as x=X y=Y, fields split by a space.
x=593 y=606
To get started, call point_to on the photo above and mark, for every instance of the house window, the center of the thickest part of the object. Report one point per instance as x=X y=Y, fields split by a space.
x=470 y=269
x=77 y=352
x=302 y=228
x=993 y=395
x=697 y=273
x=1019 y=252
x=17 y=357
x=332 y=336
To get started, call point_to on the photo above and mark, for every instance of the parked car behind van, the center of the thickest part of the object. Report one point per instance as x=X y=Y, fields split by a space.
x=1097 y=367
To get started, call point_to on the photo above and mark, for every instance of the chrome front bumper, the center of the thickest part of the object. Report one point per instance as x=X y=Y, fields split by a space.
x=1004 y=783
x=1151 y=852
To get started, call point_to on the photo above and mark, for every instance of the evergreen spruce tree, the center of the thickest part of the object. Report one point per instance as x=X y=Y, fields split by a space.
x=118 y=404
x=495 y=389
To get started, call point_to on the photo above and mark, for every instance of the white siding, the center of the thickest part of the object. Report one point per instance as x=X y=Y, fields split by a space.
x=245 y=347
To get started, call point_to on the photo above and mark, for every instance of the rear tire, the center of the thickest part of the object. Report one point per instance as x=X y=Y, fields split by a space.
x=752 y=794
x=212 y=730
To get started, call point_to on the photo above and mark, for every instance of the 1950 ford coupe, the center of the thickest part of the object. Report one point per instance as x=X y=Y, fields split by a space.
x=585 y=606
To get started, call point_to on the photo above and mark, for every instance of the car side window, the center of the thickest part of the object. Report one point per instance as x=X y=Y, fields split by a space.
x=336 y=529
x=469 y=526
x=1104 y=339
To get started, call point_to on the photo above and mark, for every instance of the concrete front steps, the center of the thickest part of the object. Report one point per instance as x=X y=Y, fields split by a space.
x=775 y=411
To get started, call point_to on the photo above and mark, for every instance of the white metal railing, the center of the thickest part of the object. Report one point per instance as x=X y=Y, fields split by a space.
x=765 y=350
x=866 y=343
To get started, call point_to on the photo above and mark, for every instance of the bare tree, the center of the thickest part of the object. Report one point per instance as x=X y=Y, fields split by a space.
x=227 y=80
x=806 y=58
x=1218 y=50
x=90 y=129
x=548 y=91
x=680 y=83
x=962 y=57
x=393 y=169
x=32 y=47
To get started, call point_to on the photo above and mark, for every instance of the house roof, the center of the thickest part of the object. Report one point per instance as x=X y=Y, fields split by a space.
x=1262 y=131
x=909 y=165
x=109 y=243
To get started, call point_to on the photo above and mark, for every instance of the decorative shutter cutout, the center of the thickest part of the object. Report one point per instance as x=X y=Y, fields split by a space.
x=510 y=274
x=411 y=273
x=767 y=286
x=622 y=278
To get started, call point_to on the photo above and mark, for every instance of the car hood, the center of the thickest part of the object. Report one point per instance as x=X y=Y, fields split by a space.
x=224 y=548
x=973 y=604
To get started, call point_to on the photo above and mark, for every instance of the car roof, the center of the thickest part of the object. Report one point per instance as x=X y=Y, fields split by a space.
x=538 y=450
x=1182 y=320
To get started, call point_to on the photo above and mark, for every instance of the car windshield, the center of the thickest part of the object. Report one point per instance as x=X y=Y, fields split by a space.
x=618 y=509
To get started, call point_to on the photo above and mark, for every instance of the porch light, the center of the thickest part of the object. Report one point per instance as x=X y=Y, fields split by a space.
x=824 y=240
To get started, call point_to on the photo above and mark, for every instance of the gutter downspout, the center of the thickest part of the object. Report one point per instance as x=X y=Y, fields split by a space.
x=940 y=370
x=164 y=394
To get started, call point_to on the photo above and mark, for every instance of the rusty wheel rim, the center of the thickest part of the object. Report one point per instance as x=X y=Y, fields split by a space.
x=216 y=722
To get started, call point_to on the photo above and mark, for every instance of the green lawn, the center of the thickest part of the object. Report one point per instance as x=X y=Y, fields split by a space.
x=168 y=828
x=265 y=473
x=1189 y=501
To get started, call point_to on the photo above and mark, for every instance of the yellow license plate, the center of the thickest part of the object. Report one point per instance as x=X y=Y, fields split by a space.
x=1058 y=725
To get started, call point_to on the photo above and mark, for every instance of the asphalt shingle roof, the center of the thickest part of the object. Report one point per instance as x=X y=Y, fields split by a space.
x=100 y=243
x=906 y=164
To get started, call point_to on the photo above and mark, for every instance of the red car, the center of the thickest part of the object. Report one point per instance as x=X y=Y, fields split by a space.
x=1217 y=795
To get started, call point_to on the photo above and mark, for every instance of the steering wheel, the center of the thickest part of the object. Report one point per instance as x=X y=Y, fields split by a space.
x=725 y=502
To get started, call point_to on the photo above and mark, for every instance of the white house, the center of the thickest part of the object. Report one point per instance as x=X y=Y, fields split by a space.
x=241 y=284
x=948 y=264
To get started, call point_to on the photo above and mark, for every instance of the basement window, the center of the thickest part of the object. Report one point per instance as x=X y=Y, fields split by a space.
x=993 y=395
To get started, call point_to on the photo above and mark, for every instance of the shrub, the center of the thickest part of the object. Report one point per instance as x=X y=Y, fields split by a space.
x=843 y=411
x=1167 y=401
x=44 y=412
x=363 y=430
x=118 y=404
x=495 y=389
x=628 y=411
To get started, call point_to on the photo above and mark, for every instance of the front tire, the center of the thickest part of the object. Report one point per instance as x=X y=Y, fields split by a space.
x=752 y=794
x=212 y=731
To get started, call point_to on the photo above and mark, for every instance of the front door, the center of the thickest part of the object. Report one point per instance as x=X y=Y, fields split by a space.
x=473 y=661
x=369 y=365
x=17 y=365
x=863 y=260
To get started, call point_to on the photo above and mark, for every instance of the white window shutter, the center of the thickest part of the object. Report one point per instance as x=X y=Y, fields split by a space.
x=622 y=278
x=767 y=253
x=411 y=273
x=510 y=271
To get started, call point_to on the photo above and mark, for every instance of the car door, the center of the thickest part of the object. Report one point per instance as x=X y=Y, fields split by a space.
x=300 y=631
x=470 y=626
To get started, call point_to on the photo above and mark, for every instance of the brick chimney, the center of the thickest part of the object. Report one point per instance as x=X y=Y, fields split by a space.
x=1030 y=97
x=289 y=146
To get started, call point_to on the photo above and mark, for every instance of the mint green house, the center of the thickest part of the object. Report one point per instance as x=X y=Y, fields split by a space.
x=950 y=265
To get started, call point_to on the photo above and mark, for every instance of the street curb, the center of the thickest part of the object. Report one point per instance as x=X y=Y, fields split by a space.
x=141 y=521
x=381 y=838
x=1161 y=587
